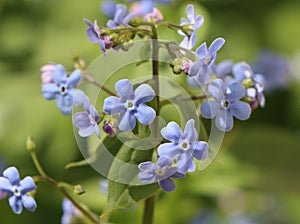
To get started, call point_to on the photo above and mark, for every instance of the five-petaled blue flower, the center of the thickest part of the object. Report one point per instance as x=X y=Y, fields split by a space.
x=195 y=22
x=87 y=122
x=200 y=71
x=94 y=34
x=183 y=146
x=130 y=105
x=243 y=72
x=121 y=17
x=227 y=104
x=63 y=89
x=162 y=172
x=17 y=190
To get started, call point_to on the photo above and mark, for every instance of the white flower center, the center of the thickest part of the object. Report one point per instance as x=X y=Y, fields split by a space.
x=185 y=146
x=16 y=191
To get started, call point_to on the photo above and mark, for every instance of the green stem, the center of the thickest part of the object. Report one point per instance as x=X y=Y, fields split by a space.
x=149 y=210
x=58 y=186
x=37 y=163
x=90 y=79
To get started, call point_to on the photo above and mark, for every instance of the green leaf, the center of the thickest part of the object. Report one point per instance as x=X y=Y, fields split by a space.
x=124 y=188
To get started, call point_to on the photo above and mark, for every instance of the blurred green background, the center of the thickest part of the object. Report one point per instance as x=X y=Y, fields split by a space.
x=255 y=177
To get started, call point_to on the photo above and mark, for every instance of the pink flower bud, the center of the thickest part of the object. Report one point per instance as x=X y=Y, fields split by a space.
x=2 y=194
x=155 y=16
x=47 y=71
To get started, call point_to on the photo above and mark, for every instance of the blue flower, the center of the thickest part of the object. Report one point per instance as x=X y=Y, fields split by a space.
x=194 y=23
x=227 y=104
x=87 y=122
x=130 y=105
x=17 y=190
x=183 y=146
x=109 y=8
x=146 y=6
x=121 y=17
x=200 y=70
x=63 y=89
x=69 y=212
x=162 y=172
x=255 y=89
x=94 y=34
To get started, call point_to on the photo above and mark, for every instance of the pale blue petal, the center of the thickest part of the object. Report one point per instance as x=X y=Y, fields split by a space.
x=224 y=121
x=201 y=51
x=178 y=175
x=5 y=185
x=235 y=92
x=127 y=121
x=169 y=150
x=189 y=166
x=124 y=89
x=190 y=132
x=147 y=177
x=80 y=98
x=201 y=150
x=85 y=132
x=12 y=174
x=216 y=89
x=240 y=110
x=59 y=75
x=81 y=120
x=113 y=105
x=190 y=12
x=146 y=166
x=195 y=68
x=16 y=204
x=167 y=185
x=65 y=103
x=74 y=79
x=50 y=91
x=171 y=132
x=145 y=114
x=216 y=45
x=185 y=43
x=210 y=109
x=27 y=185
x=199 y=20
x=29 y=203
x=144 y=93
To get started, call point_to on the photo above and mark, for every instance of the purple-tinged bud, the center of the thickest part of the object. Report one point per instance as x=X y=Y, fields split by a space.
x=110 y=129
x=186 y=65
x=47 y=71
x=108 y=42
x=154 y=16
x=2 y=194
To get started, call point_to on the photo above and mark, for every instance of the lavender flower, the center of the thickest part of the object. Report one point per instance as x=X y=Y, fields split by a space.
x=87 y=122
x=121 y=17
x=69 y=212
x=94 y=34
x=130 y=105
x=183 y=146
x=200 y=70
x=162 y=172
x=192 y=24
x=63 y=89
x=17 y=190
x=146 y=6
x=227 y=104
x=109 y=8
x=255 y=88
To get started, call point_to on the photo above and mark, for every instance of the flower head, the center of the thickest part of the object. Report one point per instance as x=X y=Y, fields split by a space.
x=190 y=26
x=226 y=105
x=162 y=172
x=121 y=17
x=201 y=69
x=17 y=190
x=130 y=105
x=63 y=89
x=94 y=34
x=87 y=122
x=183 y=146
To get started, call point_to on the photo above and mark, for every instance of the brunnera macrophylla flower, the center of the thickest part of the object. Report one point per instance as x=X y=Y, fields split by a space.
x=200 y=71
x=63 y=89
x=17 y=190
x=94 y=34
x=254 y=83
x=190 y=26
x=121 y=17
x=130 y=105
x=226 y=104
x=87 y=122
x=162 y=172
x=183 y=146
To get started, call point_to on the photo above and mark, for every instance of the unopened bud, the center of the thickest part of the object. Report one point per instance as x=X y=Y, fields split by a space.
x=30 y=144
x=78 y=189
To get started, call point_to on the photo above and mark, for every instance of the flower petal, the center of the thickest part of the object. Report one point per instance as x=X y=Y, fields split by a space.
x=65 y=103
x=12 y=174
x=29 y=203
x=201 y=150
x=59 y=75
x=240 y=110
x=171 y=132
x=144 y=93
x=124 y=89
x=202 y=51
x=74 y=79
x=224 y=121
x=27 y=185
x=145 y=114
x=178 y=175
x=127 y=121
x=16 y=204
x=216 y=45
x=147 y=177
x=188 y=166
x=190 y=132
x=169 y=150
x=167 y=185
x=50 y=91
x=81 y=120
x=146 y=166
x=113 y=105
x=210 y=109
x=235 y=92
x=190 y=12
x=216 y=89
x=85 y=132
x=5 y=185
